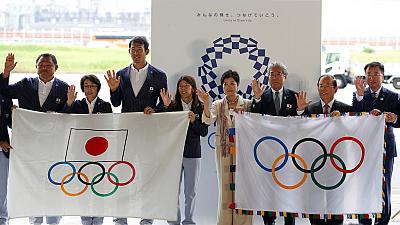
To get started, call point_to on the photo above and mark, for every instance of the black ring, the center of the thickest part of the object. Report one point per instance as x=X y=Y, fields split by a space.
x=101 y=177
x=323 y=149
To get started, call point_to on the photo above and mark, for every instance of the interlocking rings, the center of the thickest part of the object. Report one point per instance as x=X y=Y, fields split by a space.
x=314 y=168
x=96 y=179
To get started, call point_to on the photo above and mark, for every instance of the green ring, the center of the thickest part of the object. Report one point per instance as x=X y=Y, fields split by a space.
x=315 y=180
x=108 y=194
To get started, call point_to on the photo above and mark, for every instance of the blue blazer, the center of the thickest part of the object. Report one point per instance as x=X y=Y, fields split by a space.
x=26 y=91
x=195 y=130
x=148 y=94
x=267 y=106
x=81 y=107
x=5 y=119
x=387 y=101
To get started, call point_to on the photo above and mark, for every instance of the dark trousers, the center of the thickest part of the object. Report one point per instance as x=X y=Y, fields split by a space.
x=270 y=220
x=385 y=217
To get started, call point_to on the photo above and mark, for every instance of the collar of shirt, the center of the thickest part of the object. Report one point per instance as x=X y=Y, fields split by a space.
x=377 y=92
x=330 y=104
x=280 y=91
x=43 y=84
x=186 y=106
x=91 y=105
x=145 y=68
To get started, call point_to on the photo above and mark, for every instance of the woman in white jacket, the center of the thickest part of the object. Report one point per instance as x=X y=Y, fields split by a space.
x=224 y=159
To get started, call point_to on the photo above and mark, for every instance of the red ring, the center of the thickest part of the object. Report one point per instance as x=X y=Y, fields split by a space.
x=362 y=153
x=119 y=183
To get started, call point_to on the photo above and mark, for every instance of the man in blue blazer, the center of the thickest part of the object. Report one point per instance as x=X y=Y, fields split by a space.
x=5 y=122
x=137 y=87
x=377 y=99
x=275 y=101
x=44 y=94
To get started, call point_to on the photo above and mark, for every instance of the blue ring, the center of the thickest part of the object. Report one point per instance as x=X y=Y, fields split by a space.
x=208 y=140
x=59 y=163
x=274 y=139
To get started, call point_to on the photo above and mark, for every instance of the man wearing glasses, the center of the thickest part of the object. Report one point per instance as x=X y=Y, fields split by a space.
x=275 y=101
x=377 y=100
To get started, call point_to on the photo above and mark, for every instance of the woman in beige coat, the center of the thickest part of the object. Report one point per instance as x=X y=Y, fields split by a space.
x=220 y=112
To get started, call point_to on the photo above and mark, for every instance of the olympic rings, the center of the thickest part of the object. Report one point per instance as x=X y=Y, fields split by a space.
x=59 y=163
x=88 y=163
x=102 y=174
x=293 y=186
x=209 y=140
x=274 y=139
x=96 y=179
x=314 y=168
x=315 y=180
x=117 y=183
x=313 y=140
x=362 y=154
x=72 y=175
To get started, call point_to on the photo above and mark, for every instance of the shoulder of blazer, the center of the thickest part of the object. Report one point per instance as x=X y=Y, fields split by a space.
x=124 y=71
x=60 y=82
x=154 y=70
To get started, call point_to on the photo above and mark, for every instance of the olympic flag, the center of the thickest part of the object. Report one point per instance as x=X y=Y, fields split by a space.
x=121 y=165
x=323 y=165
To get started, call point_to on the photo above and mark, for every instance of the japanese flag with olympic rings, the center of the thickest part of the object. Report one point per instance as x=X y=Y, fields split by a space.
x=323 y=165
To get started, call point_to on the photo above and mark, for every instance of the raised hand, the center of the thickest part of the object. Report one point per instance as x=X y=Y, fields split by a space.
x=112 y=80
x=9 y=65
x=360 y=86
x=258 y=88
x=166 y=97
x=203 y=96
x=302 y=101
x=71 y=94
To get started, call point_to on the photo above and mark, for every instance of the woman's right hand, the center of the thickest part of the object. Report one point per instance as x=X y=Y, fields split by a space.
x=203 y=96
x=166 y=97
x=71 y=94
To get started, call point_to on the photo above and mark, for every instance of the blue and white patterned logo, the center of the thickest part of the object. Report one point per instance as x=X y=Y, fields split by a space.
x=230 y=45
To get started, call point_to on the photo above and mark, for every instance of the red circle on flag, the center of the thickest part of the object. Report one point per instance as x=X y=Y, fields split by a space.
x=96 y=146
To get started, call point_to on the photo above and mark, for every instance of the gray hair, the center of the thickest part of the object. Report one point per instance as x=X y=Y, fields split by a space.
x=278 y=65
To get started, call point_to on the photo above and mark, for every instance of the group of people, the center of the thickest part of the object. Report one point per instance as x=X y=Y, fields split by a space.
x=141 y=87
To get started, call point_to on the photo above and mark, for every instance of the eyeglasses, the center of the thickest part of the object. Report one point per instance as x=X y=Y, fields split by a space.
x=272 y=75
x=374 y=75
x=89 y=86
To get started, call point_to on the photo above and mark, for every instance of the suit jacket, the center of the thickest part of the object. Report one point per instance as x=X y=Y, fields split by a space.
x=387 y=101
x=195 y=130
x=316 y=108
x=148 y=94
x=81 y=107
x=267 y=106
x=26 y=91
x=5 y=119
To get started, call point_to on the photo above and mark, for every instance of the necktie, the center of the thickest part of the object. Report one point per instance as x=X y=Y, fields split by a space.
x=277 y=103
x=374 y=95
x=326 y=109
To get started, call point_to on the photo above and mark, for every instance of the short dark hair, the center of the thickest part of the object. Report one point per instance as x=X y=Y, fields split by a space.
x=334 y=82
x=375 y=64
x=140 y=40
x=47 y=55
x=92 y=78
x=230 y=74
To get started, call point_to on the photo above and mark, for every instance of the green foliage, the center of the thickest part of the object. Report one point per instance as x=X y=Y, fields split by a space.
x=368 y=50
x=71 y=59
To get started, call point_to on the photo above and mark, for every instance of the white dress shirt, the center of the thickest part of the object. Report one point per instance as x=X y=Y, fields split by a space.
x=138 y=77
x=91 y=105
x=44 y=90
x=187 y=106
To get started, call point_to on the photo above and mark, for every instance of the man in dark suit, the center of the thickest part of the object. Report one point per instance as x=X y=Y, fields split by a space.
x=5 y=122
x=327 y=87
x=276 y=101
x=137 y=87
x=377 y=99
x=91 y=104
x=45 y=93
